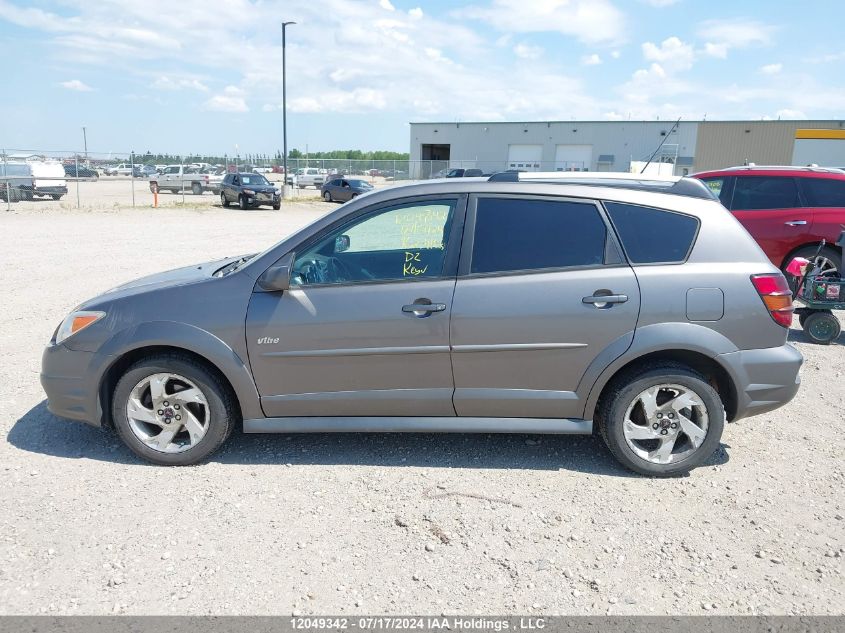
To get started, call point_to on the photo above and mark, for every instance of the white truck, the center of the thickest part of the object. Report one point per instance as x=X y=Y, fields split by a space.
x=176 y=178
x=306 y=177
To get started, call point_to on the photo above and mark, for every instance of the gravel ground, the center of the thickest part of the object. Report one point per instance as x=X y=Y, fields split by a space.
x=382 y=523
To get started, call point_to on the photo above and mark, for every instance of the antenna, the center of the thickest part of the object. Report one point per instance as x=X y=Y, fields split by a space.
x=651 y=158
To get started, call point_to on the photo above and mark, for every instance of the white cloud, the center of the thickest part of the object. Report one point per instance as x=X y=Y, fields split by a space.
x=771 y=69
x=77 y=85
x=788 y=113
x=661 y=3
x=232 y=100
x=416 y=13
x=587 y=20
x=166 y=82
x=716 y=50
x=615 y=54
x=386 y=5
x=723 y=35
x=591 y=60
x=672 y=53
x=526 y=51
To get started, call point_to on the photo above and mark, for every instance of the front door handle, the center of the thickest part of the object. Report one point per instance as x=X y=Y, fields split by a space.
x=423 y=309
x=796 y=223
x=602 y=300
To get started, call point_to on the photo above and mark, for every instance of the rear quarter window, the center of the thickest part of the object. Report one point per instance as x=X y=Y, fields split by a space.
x=653 y=236
x=824 y=192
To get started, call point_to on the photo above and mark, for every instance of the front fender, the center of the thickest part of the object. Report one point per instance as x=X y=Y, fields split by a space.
x=662 y=337
x=189 y=338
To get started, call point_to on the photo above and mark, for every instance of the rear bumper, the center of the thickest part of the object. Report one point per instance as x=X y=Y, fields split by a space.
x=50 y=191
x=765 y=379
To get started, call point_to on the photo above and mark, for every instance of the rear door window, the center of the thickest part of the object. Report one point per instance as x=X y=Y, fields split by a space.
x=652 y=236
x=824 y=192
x=513 y=234
x=764 y=192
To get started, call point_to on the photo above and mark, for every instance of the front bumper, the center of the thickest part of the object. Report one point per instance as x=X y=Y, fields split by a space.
x=70 y=381
x=766 y=379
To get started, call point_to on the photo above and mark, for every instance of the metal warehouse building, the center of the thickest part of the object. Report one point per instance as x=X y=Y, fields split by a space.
x=687 y=147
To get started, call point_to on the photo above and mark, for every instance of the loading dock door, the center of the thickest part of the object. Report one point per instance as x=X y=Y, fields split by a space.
x=526 y=157
x=573 y=157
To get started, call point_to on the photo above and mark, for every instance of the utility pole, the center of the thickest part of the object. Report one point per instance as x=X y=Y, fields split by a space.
x=285 y=190
x=85 y=142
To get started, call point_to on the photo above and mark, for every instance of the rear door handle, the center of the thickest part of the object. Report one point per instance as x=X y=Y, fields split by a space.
x=605 y=299
x=796 y=223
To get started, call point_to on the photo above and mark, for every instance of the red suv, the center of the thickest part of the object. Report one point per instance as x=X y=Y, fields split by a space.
x=788 y=210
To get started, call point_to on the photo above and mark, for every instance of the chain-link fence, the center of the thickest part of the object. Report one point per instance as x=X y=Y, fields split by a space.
x=113 y=179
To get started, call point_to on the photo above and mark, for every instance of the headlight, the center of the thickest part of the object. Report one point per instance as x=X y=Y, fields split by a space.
x=249 y=192
x=75 y=322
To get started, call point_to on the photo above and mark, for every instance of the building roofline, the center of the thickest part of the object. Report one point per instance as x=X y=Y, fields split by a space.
x=666 y=121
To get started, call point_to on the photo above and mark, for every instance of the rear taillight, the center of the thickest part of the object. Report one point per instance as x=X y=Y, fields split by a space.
x=775 y=293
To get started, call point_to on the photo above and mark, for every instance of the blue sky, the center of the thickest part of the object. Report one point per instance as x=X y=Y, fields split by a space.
x=205 y=77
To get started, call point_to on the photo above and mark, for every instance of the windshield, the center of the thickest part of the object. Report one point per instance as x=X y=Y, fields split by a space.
x=253 y=179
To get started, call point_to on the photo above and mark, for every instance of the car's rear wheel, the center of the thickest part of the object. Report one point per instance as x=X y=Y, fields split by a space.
x=171 y=410
x=196 y=188
x=662 y=421
x=822 y=327
x=223 y=201
x=828 y=259
x=327 y=196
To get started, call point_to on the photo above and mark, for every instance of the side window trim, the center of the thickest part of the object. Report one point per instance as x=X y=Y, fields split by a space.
x=453 y=246
x=465 y=264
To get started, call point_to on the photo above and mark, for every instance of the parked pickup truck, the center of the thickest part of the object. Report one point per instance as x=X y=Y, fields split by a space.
x=307 y=177
x=176 y=178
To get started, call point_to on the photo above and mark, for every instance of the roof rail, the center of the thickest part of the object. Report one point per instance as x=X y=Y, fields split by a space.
x=815 y=168
x=675 y=185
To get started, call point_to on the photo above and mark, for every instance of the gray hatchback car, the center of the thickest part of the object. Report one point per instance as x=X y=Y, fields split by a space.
x=521 y=303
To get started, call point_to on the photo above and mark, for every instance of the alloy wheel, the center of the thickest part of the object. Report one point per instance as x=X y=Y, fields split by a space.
x=665 y=423
x=168 y=413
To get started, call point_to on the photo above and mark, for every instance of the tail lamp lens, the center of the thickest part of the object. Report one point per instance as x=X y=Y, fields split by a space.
x=776 y=295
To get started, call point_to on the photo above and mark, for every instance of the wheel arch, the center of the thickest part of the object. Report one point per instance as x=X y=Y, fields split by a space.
x=162 y=338
x=809 y=244
x=695 y=346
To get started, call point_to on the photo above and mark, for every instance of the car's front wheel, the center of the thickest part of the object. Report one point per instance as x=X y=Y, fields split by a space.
x=223 y=201
x=662 y=421
x=172 y=410
x=327 y=196
x=242 y=203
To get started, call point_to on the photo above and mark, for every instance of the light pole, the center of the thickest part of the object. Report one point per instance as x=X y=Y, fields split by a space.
x=285 y=190
x=85 y=142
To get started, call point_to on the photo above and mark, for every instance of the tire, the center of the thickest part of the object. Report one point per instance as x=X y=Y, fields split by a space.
x=242 y=203
x=56 y=196
x=223 y=201
x=833 y=262
x=277 y=206
x=217 y=415
x=327 y=196
x=802 y=318
x=153 y=187
x=822 y=327
x=354 y=195
x=196 y=188
x=623 y=394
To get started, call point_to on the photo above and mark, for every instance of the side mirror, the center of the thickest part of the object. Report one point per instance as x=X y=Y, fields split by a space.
x=277 y=277
x=342 y=243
